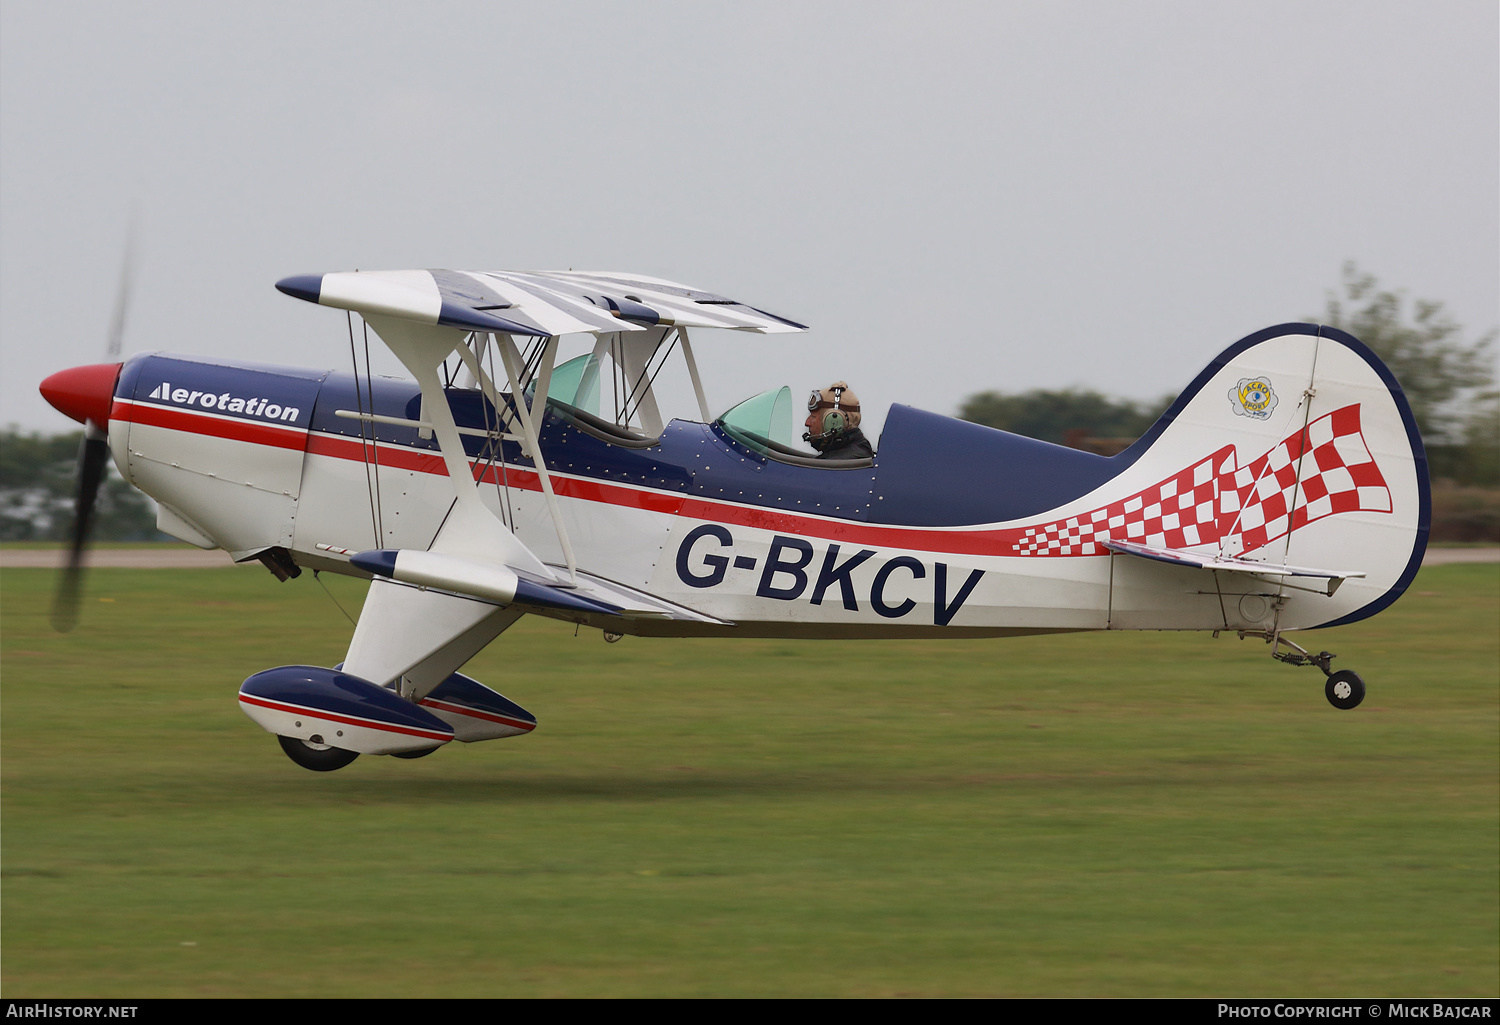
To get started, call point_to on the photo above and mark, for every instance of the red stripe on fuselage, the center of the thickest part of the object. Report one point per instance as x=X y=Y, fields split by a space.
x=964 y=541
x=195 y=422
x=397 y=457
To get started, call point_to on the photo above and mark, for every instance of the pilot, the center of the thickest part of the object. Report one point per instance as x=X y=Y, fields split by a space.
x=833 y=424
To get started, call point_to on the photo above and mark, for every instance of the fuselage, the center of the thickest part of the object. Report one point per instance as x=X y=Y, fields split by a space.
x=953 y=528
x=1285 y=488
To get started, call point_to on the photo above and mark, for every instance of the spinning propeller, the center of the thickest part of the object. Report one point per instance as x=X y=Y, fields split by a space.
x=85 y=394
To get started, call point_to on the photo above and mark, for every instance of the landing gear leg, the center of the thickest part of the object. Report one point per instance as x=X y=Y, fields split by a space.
x=1344 y=689
x=317 y=757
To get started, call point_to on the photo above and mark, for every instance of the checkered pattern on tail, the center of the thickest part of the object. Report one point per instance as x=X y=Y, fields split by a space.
x=1218 y=501
x=1178 y=512
x=1263 y=500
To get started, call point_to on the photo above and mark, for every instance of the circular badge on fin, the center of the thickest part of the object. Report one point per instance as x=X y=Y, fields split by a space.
x=1253 y=397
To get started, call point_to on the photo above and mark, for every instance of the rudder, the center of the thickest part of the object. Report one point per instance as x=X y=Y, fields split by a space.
x=1316 y=460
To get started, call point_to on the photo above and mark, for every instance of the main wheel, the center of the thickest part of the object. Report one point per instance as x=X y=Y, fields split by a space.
x=317 y=757
x=1344 y=689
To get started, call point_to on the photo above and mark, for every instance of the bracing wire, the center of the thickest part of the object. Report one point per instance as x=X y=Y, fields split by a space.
x=1302 y=445
x=502 y=483
x=494 y=448
x=374 y=437
x=359 y=403
x=317 y=576
x=532 y=363
x=617 y=376
x=644 y=391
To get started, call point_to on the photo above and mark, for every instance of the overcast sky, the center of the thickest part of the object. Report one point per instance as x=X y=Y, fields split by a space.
x=956 y=197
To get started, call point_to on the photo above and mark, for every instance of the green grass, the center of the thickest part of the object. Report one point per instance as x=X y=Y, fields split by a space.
x=1135 y=814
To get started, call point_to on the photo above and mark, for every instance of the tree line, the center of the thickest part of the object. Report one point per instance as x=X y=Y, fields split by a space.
x=1450 y=383
x=38 y=483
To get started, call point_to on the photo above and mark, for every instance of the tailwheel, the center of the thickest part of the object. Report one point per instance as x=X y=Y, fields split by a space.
x=317 y=757
x=1344 y=689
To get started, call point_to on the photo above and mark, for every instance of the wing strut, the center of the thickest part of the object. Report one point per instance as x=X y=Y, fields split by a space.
x=692 y=365
x=470 y=528
x=512 y=360
x=530 y=446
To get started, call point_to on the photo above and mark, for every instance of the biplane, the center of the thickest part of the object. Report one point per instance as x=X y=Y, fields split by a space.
x=1285 y=490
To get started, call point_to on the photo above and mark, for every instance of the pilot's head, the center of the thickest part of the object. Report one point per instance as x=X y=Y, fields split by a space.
x=830 y=412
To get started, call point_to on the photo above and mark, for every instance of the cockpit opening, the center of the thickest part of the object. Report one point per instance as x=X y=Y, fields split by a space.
x=765 y=423
x=611 y=390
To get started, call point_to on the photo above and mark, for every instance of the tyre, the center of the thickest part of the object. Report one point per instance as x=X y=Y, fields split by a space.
x=317 y=757
x=415 y=754
x=1344 y=689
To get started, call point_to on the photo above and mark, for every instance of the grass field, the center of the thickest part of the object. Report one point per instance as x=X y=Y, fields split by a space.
x=1136 y=814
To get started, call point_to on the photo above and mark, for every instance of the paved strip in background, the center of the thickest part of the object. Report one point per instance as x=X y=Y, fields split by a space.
x=1447 y=556
x=194 y=558
x=119 y=558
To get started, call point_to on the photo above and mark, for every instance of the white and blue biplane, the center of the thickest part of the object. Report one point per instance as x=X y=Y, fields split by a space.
x=1286 y=489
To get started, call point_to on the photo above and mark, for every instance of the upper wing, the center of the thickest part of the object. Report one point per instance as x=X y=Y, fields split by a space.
x=535 y=303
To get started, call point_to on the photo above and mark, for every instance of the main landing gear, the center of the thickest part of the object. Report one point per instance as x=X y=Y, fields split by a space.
x=414 y=754
x=324 y=758
x=317 y=757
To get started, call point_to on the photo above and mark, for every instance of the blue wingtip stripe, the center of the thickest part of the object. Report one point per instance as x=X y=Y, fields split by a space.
x=529 y=593
x=302 y=286
x=379 y=561
x=456 y=315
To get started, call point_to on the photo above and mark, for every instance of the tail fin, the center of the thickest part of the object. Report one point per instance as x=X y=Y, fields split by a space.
x=1306 y=446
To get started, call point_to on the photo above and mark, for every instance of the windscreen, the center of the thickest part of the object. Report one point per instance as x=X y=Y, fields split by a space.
x=764 y=416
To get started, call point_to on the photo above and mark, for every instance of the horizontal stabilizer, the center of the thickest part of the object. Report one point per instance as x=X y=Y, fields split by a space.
x=1203 y=560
